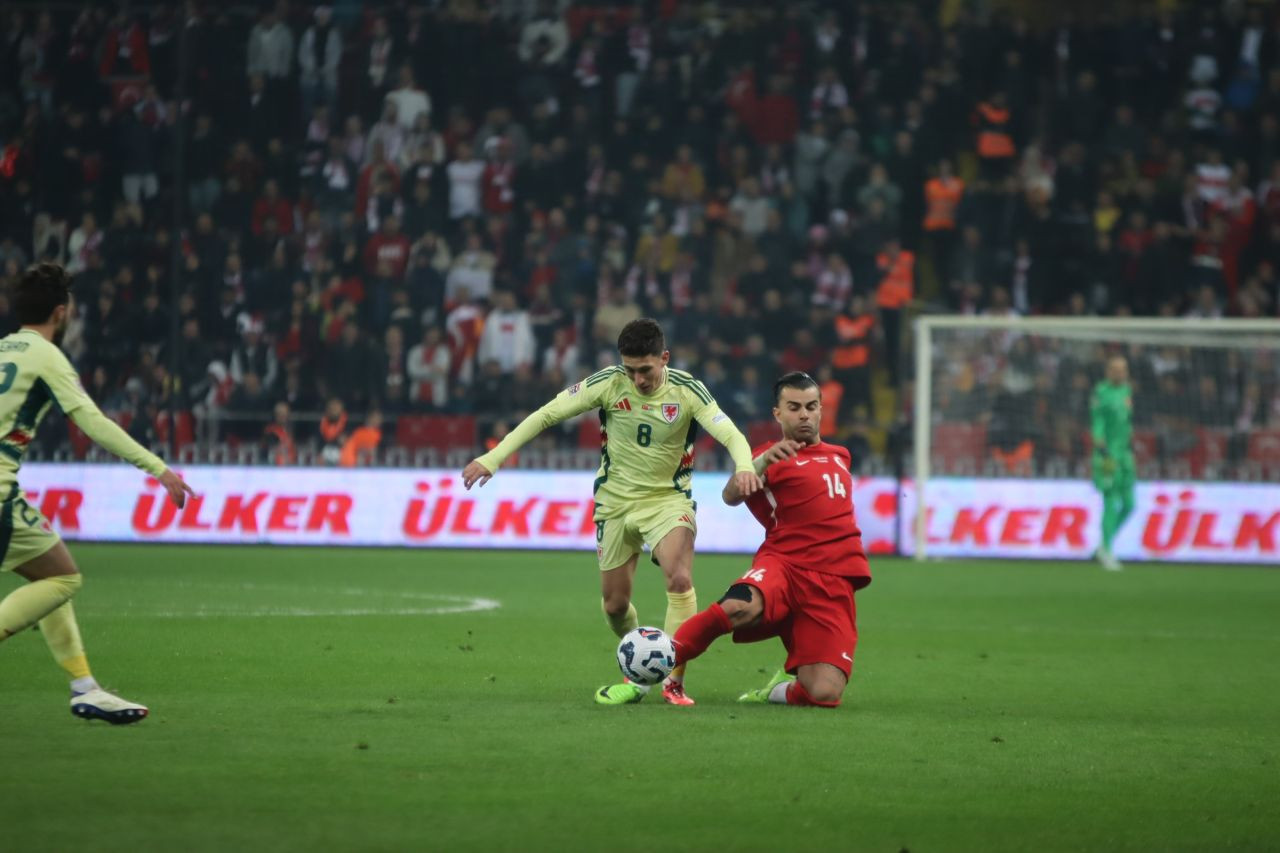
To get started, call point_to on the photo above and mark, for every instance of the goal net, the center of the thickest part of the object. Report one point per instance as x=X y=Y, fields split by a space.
x=1008 y=412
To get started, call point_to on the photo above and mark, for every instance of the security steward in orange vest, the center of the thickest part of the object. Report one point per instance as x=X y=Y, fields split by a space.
x=897 y=288
x=942 y=195
x=995 y=137
x=851 y=355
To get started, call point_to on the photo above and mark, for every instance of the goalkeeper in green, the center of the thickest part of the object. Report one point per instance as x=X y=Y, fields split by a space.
x=1114 y=472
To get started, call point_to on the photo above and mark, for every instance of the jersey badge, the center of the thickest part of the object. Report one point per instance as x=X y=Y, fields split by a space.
x=575 y=389
x=670 y=411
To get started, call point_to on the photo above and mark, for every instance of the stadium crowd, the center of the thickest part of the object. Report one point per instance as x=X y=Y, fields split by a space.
x=453 y=207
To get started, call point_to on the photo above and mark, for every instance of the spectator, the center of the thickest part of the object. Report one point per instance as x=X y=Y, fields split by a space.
x=387 y=252
x=319 y=53
x=472 y=271
x=271 y=205
x=136 y=149
x=851 y=358
x=507 y=338
x=409 y=100
x=616 y=310
x=247 y=407
x=333 y=431
x=544 y=39
x=465 y=180
x=351 y=371
x=252 y=354
x=428 y=367
x=124 y=48
x=895 y=291
x=271 y=48
x=363 y=441
x=751 y=207
x=278 y=439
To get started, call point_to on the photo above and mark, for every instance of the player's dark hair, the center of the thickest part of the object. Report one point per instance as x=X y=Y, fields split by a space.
x=796 y=379
x=642 y=337
x=40 y=289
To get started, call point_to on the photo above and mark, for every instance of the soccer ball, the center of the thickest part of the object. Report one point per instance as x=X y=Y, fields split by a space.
x=646 y=655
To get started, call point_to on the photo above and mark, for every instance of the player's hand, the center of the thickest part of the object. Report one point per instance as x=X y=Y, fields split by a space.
x=475 y=473
x=177 y=489
x=748 y=483
x=784 y=449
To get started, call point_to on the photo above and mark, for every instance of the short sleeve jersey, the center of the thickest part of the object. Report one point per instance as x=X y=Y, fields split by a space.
x=34 y=375
x=807 y=511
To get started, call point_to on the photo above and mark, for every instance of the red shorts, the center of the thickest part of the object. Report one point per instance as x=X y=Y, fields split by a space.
x=812 y=612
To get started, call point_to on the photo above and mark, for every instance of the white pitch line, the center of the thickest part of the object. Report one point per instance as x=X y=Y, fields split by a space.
x=455 y=604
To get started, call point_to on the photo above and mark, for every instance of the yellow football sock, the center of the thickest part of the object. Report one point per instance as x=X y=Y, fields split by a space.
x=620 y=625
x=63 y=636
x=680 y=606
x=27 y=605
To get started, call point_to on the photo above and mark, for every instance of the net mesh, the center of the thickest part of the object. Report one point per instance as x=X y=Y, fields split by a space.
x=1013 y=401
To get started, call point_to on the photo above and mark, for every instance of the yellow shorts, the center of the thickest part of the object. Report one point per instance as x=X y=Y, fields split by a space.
x=24 y=533
x=622 y=535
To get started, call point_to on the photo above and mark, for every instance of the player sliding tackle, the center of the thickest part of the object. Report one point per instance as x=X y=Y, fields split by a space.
x=801 y=583
x=34 y=374
x=649 y=419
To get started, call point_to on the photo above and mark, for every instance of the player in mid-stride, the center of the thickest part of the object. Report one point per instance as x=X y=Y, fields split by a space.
x=649 y=419
x=1114 y=471
x=802 y=581
x=34 y=375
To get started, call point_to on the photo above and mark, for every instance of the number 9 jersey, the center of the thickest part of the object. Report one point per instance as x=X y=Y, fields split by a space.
x=808 y=515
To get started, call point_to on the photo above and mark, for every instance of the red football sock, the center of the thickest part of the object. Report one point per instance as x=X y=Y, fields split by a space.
x=797 y=695
x=698 y=632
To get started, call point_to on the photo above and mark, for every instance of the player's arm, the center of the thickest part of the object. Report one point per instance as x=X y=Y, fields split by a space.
x=1098 y=422
x=79 y=407
x=572 y=401
x=708 y=414
x=733 y=494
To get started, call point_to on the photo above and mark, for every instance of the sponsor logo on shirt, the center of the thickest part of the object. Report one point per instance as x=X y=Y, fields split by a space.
x=720 y=417
x=575 y=389
x=623 y=405
x=670 y=411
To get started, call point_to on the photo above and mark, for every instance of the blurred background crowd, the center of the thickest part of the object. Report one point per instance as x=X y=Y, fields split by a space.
x=405 y=225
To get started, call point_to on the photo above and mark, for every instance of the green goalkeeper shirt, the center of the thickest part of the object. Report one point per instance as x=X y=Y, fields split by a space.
x=1111 y=411
x=646 y=442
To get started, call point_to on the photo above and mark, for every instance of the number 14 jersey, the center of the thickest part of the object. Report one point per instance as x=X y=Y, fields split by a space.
x=807 y=511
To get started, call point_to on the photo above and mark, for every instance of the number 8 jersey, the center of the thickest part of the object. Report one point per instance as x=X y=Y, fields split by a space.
x=807 y=511
x=646 y=441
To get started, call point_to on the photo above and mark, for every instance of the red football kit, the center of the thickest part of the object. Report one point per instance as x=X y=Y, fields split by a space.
x=811 y=560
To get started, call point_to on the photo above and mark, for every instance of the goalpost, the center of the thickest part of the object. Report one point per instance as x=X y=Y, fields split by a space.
x=1002 y=419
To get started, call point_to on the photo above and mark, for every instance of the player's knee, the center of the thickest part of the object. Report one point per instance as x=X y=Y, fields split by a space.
x=679 y=582
x=616 y=604
x=825 y=693
x=742 y=602
x=68 y=585
x=825 y=690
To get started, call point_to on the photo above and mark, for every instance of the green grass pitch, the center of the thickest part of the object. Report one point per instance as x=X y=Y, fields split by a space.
x=307 y=699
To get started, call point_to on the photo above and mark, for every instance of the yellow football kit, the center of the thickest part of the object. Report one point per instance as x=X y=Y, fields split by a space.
x=34 y=375
x=643 y=485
